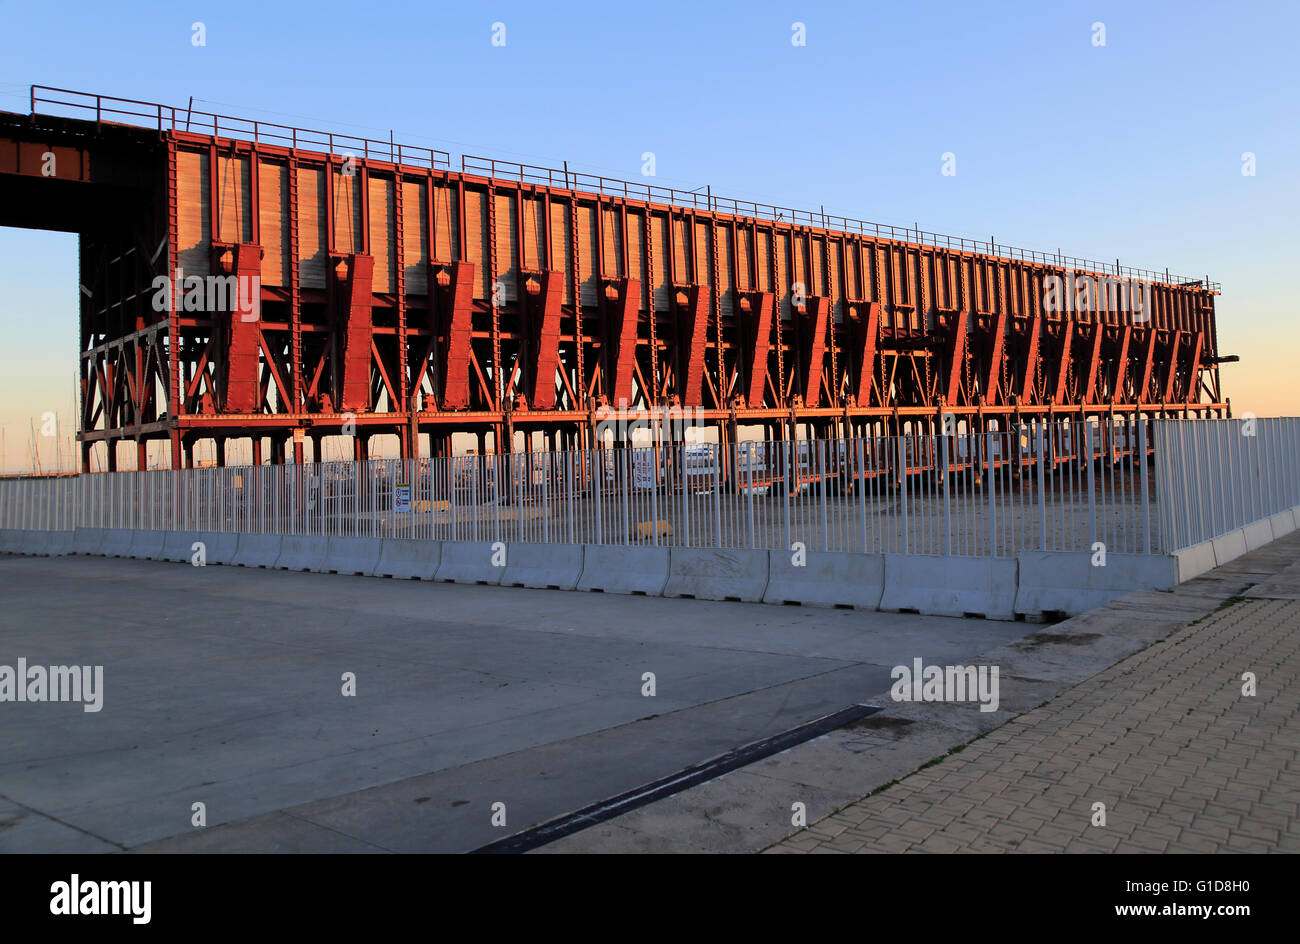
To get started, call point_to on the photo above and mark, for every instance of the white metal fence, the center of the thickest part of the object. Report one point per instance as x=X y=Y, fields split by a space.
x=980 y=494
x=1215 y=476
x=41 y=503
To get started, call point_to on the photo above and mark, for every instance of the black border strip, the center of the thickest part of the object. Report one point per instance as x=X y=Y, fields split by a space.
x=570 y=823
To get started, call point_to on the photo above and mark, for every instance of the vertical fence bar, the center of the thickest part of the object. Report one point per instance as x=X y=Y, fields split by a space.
x=1143 y=475
x=1092 y=486
x=902 y=490
x=1042 y=495
x=718 y=494
x=947 y=497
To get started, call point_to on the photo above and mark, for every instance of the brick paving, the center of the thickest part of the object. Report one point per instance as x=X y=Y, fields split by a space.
x=1182 y=760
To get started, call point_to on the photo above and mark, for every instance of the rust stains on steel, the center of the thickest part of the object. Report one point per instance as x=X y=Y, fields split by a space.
x=244 y=279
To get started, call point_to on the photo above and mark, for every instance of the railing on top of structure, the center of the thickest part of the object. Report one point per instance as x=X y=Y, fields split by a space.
x=694 y=199
x=168 y=117
x=171 y=118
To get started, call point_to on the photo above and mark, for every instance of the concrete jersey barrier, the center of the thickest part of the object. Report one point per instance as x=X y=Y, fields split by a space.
x=616 y=568
x=301 y=552
x=88 y=540
x=256 y=550
x=147 y=545
x=826 y=579
x=1072 y=583
x=472 y=562
x=116 y=543
x=351 y=556
x=717 y=574
x=542 y=566
x=408 y=559
x=950 y=586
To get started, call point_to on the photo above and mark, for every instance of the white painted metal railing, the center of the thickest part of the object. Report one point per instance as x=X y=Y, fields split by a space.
x=1215 y=476
x=979 y=494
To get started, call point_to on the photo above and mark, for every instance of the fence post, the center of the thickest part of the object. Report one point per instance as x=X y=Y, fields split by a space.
x=627 y=491
x=1142 y=473
x=947 y=496
x=825 y=497
x=749 y=477
x=1194 y=460
x=786 y=475
x=990 y=483
x=473 y=493
x=683 y=475
x=546 y=495
x=1092 y=485
x=902 y=488
x=1231 y=499
x=1042 y=485
x=718 y=492
x=449 y=472
x=654 y=454
x=859 y=492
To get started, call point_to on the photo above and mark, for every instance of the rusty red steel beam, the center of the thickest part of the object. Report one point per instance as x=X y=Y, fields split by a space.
x=759 y=322
x=893 y=326
x=814 y=348
x=546 y=345
x=1063 y=359
x=355 y=275
x=695 y=312
x=458 y=352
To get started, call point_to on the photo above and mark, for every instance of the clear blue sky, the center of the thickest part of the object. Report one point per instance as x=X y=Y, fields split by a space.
x=1130 y=150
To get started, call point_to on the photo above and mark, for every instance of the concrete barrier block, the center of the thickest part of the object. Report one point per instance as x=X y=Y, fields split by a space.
x=950 y=586
x=1195 y=560
x=1282 y=524
x=352 y=556
x=824 y=579
x=301 y=552
x=219 y=547
x=177 y=546
x=408 y=559
x=146 y=545
x=1257 y=534
x=256 y=550
x=18 y=541
x=1068 y=581
x=615 y=568
x=28 y=543
x=88 y=540
x=472 y=562
x=1228 y=547
x=542 y=566
x=36 y=543
x=716 y=574
x=117 y=542
x=58 y=543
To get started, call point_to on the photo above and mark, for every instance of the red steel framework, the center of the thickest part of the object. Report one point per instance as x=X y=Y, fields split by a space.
x=392 y=288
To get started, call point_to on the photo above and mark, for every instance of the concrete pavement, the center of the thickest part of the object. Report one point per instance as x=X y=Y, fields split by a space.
x=225 y=689
x=224 y=686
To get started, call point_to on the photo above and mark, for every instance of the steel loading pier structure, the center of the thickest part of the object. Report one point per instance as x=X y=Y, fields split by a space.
x=392 y=294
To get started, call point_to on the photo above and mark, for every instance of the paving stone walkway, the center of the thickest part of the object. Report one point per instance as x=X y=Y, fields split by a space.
x=1182 y=760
